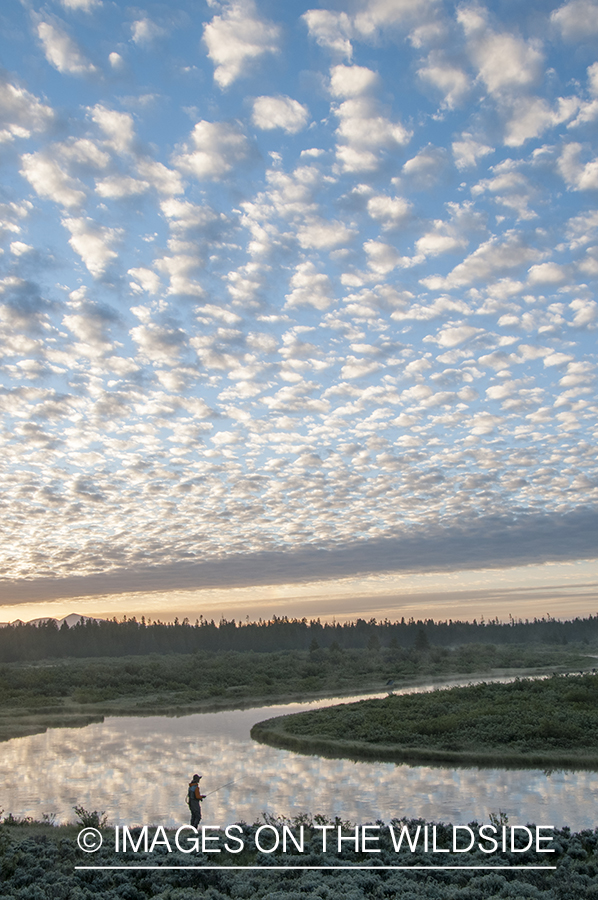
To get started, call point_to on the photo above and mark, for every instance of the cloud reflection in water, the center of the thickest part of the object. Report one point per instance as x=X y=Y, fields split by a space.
x=137 y=769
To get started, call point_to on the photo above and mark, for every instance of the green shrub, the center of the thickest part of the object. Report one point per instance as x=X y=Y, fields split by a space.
x=90 y=819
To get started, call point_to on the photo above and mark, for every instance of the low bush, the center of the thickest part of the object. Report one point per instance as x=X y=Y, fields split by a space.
x=38 y=867
x=551 y=720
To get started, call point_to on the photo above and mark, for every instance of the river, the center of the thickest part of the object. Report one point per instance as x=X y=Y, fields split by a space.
x=136 y=769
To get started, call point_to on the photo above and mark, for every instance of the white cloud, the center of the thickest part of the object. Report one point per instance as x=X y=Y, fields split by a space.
x=219 y=146
x=505 y=61
x=484 y=423
x=62 y=52
x=577 y=20
x=21 y=113
x=441 y=239
x=352 y=81
x=145 y=31
x=390 y=211
x=159 y=343
x=468 y=150
x=145 y=279
x=330 y=29
x=510 y=67
x=90 y=323
x=588 y=112
x=115 y=60
x=592 y=72
x=431 y=33
x=582 y=229
x=179 y=267
x=492 y=258
x=529 y=117
x=309 y=288
x=374 y=15
x=382 y=258
x=83 y=152
x=455 y=335
x=236 y=38
x=164 y=180
x=49 y=180
x=440 y=307
x=83 y=5
x=245 y=283
x=293 y=194
x=355 y=159
x=586 y=312
x=578 y=373
x=184 y=216
x=358 y=368
x=454 y=233
x=279 y=112
x=117 y=126
x=321 y=234
x=93 y=243
x=11 y=214
x=18 y=248
x=547 y=273
x=557 y=359
x=579 y=177
x=588 y=109
x=119 y=186
x=334 y=30
x=589 y=265
x=363 y=130
x=510 y=187
x=448 y=78
x=426 y=169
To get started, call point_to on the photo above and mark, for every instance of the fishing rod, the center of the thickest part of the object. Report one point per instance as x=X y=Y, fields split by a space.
x=223 y=786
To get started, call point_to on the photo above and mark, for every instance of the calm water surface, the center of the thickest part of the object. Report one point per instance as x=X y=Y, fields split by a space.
x=137 y=770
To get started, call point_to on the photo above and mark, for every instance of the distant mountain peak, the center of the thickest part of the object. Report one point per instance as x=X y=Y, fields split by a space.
x=71 y=619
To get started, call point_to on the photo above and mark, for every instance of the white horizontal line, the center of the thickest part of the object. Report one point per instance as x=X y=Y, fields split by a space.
x=308 y=868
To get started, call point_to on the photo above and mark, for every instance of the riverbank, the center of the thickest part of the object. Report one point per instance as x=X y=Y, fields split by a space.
x=74 y=693
x=545 y=723
x=42 y=862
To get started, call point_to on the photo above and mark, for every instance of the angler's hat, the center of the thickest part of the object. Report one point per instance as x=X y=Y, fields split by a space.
x=196 y=777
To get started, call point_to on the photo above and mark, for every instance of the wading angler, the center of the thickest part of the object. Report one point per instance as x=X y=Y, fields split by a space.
x=194 y=798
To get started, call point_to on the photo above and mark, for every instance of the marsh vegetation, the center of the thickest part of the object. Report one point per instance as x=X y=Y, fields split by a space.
x=546 y=722
x=38 y=861
x=72 y=692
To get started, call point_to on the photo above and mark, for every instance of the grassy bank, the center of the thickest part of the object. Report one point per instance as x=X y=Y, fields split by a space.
x=550 y=722
x=75 y=692
x=39 y=862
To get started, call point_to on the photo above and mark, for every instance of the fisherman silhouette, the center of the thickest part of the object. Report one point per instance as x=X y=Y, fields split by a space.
x=194 y=798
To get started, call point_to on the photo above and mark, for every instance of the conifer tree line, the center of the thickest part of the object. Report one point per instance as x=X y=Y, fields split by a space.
x=130 y=637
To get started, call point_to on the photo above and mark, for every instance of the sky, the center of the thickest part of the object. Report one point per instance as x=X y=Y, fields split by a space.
x=297 y=308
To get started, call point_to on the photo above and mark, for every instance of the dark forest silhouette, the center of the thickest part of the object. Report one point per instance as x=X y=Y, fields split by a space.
x=129 y=637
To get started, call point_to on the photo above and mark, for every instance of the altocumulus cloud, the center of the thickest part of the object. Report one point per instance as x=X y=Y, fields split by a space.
x=312 y=295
